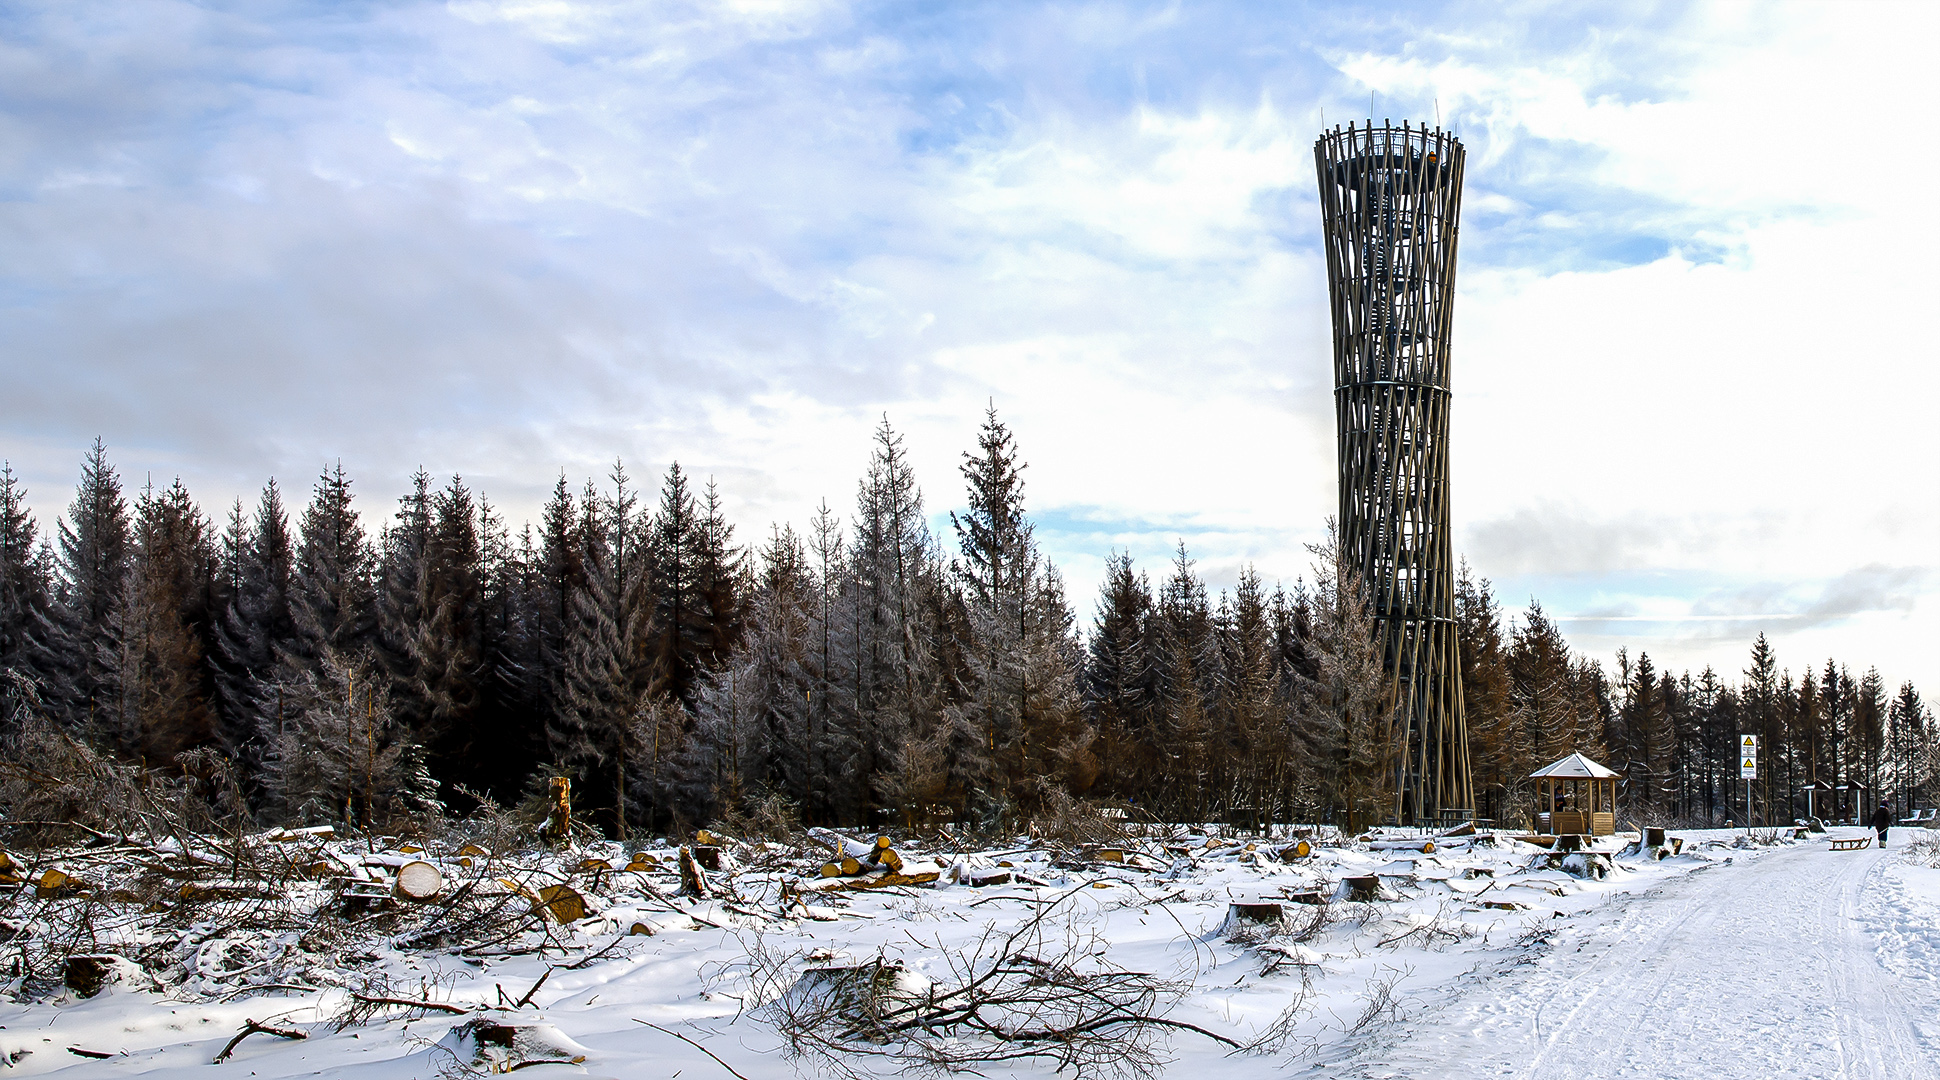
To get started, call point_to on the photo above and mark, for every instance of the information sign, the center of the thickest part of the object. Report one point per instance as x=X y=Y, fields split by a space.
x=1748 y=757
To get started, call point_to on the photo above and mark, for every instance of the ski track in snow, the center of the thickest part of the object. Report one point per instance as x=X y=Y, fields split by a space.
x=1801 y=963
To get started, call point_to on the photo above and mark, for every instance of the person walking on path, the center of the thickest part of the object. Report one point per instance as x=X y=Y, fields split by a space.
x=1882 y=820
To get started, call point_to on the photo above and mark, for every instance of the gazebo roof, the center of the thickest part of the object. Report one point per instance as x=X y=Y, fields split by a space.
x=1573 y=767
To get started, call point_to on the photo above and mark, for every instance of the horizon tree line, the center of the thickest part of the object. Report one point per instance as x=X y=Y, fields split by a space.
x=867 y=673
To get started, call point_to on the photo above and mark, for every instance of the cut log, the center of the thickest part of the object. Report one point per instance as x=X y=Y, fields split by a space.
x=708 y=856
x=588 y=866
x=642 y=861
x=703 y=838
x=1653 y=838
x=419 y=881
x=886 y=880
x=1107 y=854
x=1299 y=849
x=1310 y=897
x=563 y=903
x=54 y=884
x=843 y=846
x=9 y=870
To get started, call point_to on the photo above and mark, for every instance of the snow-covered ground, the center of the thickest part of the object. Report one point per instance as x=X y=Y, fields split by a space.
x=1479 y=960
x=1797 y=961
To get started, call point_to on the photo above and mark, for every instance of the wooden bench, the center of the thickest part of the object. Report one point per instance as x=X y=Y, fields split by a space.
x=1854 y=844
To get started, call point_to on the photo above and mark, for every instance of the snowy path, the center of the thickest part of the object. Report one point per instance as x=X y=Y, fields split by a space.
x=1757 y=969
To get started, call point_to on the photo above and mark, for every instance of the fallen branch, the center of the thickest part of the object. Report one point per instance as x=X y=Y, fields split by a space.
x=412 y=1003
x=251 y=1027
x=521 y=1003
x=691 y=1043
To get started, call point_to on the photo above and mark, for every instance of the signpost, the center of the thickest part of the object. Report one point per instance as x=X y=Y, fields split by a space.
x=1748 y=769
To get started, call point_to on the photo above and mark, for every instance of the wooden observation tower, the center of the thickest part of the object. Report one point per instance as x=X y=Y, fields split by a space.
x=1390 y=200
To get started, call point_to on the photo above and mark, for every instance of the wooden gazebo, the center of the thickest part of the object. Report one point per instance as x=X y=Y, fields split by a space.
x=1576 y=795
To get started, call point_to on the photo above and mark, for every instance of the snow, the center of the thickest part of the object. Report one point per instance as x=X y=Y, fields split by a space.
x=1793 y=961
x=1725 y=961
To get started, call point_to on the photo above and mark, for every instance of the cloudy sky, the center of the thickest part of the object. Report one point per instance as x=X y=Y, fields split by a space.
x=1694 y=365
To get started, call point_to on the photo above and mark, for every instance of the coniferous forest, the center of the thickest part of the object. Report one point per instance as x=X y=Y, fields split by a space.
x=360 y=664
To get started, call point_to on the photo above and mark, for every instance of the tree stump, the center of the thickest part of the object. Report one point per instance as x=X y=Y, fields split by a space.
x=1363 y=889
x=559 y=822
x=693 y=879
x=89 y=974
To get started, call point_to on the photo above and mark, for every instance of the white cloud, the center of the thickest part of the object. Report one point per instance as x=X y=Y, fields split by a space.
x=506 y=238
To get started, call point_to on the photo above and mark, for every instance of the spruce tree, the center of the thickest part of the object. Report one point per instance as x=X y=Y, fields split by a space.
x=341 y=756
x=403 y=546
x=891 y=692
x=1501 y=748
x=829 y=743
x=1255 y=752
x=255 y=624
x=1346 y=712
x=332 y=597
x=31 y=674
x=450 y=671
x=607 y=728
x=755 y=708
x=1121 y=682
x=1018 y=721
x=161 y=628
x=1869 y=718
x=558 y=575
x=95 y=551
x=1915 y=760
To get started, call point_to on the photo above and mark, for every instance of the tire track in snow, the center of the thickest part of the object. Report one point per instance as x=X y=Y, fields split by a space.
x=1756 y=969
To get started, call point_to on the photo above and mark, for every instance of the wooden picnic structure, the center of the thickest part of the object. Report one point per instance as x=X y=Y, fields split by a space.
x=1576 y=795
